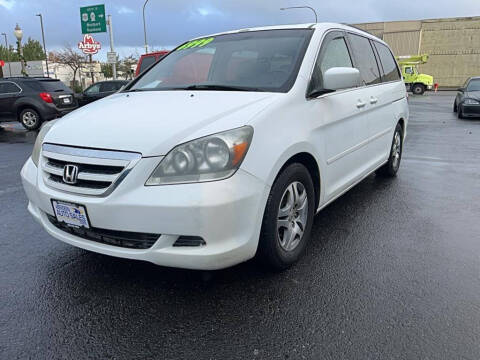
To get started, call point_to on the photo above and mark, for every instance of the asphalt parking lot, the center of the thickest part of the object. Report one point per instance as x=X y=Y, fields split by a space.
x=392 y=271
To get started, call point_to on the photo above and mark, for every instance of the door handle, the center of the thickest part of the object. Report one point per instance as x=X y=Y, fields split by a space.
x=361 y=104
x=373 y=100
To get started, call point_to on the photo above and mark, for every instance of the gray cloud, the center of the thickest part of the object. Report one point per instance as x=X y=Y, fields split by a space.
x=171 y=22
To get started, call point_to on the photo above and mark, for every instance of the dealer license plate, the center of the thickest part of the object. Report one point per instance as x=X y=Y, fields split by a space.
x=71 y=214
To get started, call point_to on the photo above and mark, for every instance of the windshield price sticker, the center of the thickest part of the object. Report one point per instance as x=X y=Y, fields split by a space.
x=196 y=43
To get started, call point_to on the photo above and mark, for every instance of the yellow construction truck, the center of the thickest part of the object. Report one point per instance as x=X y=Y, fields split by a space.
x=418 y=83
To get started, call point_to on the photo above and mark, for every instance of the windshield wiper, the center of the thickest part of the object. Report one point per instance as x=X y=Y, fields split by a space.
x=219 y=87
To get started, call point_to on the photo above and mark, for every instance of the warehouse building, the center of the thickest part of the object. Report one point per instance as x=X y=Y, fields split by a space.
x=453 y=45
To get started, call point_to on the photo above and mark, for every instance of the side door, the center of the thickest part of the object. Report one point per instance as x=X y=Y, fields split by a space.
x=375 y=111
x=9 y=93
x=386 y=98
x=340 y=119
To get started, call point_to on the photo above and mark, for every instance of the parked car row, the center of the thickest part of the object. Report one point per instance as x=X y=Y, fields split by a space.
x=33 y=100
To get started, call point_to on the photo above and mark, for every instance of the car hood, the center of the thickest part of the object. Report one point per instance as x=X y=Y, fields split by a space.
x=473 y=95
x=152 y=123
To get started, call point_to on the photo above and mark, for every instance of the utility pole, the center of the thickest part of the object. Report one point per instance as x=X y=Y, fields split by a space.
x=44 y=47
x=112 y=49
x=145 y=28
x=8 y=55
x=91 y=68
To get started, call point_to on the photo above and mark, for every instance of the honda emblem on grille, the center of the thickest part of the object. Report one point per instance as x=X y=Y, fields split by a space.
x=70 y=173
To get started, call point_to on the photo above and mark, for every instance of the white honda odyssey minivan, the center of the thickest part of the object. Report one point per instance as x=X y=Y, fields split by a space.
x=223 y=150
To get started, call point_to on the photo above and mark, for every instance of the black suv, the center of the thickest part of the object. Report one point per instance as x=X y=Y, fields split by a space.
x=32 y=100
x=100 y=90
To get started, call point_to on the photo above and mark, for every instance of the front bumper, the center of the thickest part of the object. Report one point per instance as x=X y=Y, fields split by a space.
x=471 y=110
x=227 y=214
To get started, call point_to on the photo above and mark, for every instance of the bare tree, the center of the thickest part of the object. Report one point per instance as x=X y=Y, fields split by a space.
x=73 y=59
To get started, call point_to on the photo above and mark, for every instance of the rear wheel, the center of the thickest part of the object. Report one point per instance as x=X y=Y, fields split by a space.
x=30 y=119
x=288 y=218
x=390 y=169
x=418 y=89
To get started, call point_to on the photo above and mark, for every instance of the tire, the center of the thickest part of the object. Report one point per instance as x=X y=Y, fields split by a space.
x=287 y=224
x=455 y=106
x=30 y=119
x=418 y=89
x=390 y=169
x=460 y=112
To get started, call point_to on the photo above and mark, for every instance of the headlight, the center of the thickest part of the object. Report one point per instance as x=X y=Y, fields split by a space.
x=213 y=157
x=471 y=102
x=39 y=141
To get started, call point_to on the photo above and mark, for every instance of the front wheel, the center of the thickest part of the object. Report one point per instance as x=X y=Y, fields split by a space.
x=288 y=218
x=390 y=169
x=30 y=119
x=455 y=108
x=460 y=112
x=418 y=89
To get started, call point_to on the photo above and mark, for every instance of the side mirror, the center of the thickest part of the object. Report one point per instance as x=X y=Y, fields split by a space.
x=461 y=89
x=338 y=78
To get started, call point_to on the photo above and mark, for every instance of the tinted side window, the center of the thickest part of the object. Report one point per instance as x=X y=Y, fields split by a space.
x=94 y=89
x=334 y=53
x=390 y=69
x=365 y=60
x=8 y=88
x=108 y=87
x=146 y=62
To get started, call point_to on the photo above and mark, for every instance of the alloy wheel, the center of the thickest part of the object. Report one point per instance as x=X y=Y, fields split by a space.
x=396 y=150
x=292 y=216
x=29 y=119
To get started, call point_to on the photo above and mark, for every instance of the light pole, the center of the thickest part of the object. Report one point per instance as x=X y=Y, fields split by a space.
x=145 y=28
x=8 y=55
x=44 y=47
x=18 y=32
x=302 y=7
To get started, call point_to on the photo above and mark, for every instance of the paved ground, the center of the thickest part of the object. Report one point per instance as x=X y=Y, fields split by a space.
x=393 y=271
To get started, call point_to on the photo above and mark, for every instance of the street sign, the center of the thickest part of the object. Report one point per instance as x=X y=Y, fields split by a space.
x=89 y=45
x=111 y=57
x=93 y=19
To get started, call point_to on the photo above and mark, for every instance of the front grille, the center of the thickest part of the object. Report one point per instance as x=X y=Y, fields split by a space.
x=125 y=239
x=99 y=171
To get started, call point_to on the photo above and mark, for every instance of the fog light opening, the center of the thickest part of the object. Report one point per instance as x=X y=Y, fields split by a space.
x=189 y=241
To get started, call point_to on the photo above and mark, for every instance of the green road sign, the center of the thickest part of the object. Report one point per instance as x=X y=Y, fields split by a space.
x=93 y=19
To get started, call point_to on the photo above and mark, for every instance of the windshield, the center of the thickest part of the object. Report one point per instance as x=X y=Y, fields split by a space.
x=249 y=61
x=474 y=85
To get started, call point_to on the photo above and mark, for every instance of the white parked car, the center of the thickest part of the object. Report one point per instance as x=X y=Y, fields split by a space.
x=223 y=150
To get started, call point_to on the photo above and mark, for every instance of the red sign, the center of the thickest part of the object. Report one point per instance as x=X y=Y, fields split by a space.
x=2 y=63
x=89 y=45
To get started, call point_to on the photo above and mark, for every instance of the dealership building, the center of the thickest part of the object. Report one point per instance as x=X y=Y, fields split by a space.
x=453 y=45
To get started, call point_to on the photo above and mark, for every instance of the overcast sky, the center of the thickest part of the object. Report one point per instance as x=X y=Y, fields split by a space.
x=170 y=22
